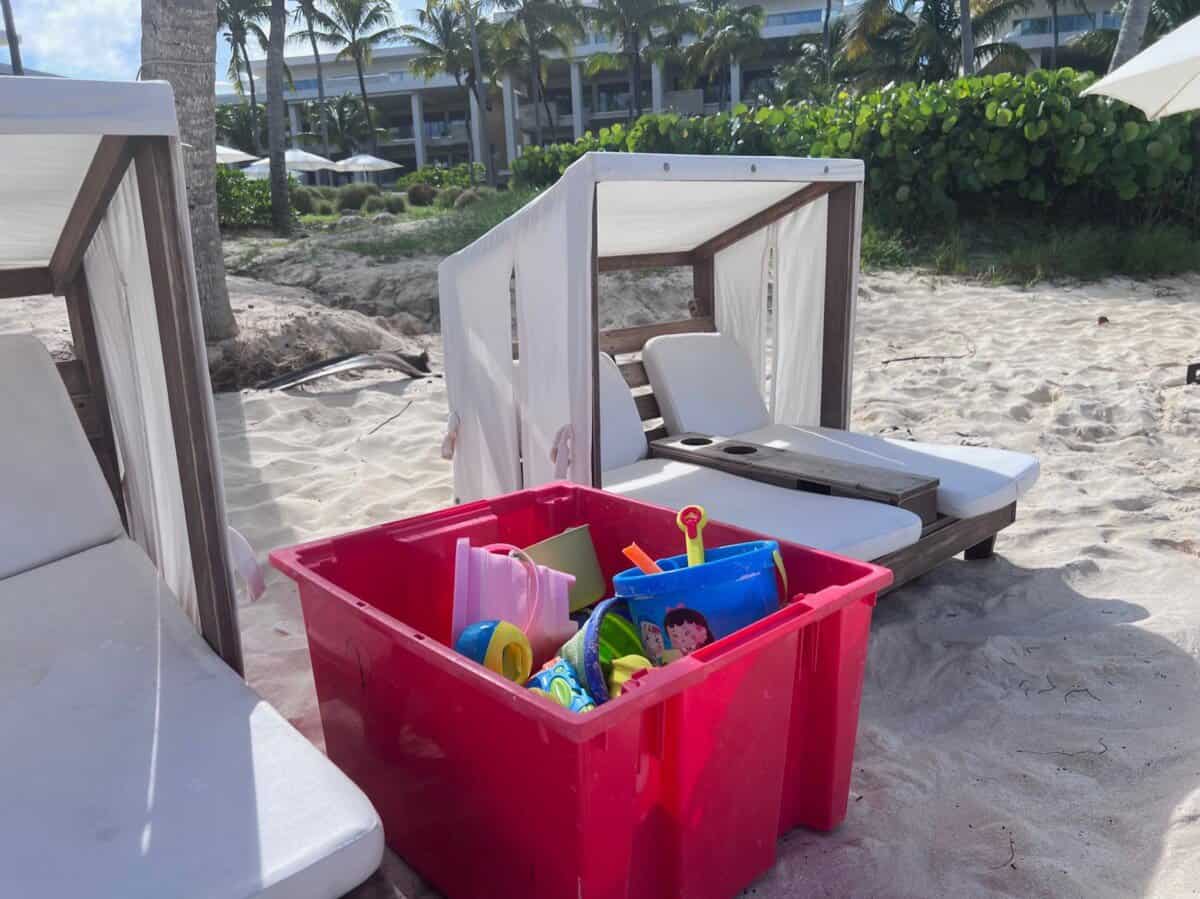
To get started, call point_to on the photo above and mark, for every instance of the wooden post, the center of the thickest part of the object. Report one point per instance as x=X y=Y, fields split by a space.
x=87 y=351
x=704 y=287
x=174 y=298
x=594 y=361
x=838 y=339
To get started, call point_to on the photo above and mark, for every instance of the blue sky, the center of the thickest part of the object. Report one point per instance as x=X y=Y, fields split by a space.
x=93 y=38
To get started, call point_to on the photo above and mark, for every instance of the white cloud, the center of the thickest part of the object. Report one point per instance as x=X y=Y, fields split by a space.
x=81 y=38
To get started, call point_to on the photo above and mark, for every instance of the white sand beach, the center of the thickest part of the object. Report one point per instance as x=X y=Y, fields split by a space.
x=1029 y=724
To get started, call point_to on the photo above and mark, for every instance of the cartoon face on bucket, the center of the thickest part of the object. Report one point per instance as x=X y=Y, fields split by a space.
x=687 y=630
x=652 y=641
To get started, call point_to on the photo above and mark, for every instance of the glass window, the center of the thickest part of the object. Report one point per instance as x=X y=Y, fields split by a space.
x=795 y=17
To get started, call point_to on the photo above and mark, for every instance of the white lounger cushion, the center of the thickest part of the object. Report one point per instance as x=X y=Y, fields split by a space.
x=850 y=527
x=137 y=765
x=974 y=480
x=53 y=498
x=704 y=383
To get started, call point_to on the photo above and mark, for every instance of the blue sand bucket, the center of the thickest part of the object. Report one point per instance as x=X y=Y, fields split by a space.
x=681 y=609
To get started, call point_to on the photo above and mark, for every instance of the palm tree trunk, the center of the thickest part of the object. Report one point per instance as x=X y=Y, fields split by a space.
x=362 y=88
x=534 y=81
x=256 y=129
x=825 y=36
x=320 y=92
x=179 y=40
x=1054 y=34
x=488 y=165
x=276 y=126
x=967 y=33
x=471 y=160
x=1133 y=30
x=551 y=119
x=14 y=42
x=635 y=73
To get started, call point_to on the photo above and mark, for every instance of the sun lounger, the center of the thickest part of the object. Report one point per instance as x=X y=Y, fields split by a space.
x=704 y=383
x=135 y=762
x=851 y=527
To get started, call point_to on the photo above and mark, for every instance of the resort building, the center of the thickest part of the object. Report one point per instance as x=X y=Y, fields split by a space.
x=424 y=120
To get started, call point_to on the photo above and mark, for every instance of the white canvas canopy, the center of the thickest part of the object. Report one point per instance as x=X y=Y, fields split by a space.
x=726 y=218
x=95 y=210
x=232 y=156
x=365 y=162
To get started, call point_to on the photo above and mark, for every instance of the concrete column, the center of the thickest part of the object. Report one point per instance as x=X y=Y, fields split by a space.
x=478 y=135
x=510 y=119
x=656 y=86
x=735 y=84
x=418 y=117
x=577 y=99
x=294 y=119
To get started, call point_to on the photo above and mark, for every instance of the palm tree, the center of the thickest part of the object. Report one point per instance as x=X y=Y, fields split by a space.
x=921 y=39
x=725 y=33
x=443 y=36
x=309 y=14
x=11 y=38
x=1133 y=32
x=281 y=214
x=815 y=74
x=236 y=123
x=536 y=28
x=967 y=37
x=630 y=22
x=354 y=28
x=1163 y=17
x=179 y=44
x=241 y=20
x=349 y=129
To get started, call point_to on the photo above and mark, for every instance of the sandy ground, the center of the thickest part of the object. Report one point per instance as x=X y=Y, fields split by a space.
x=1029 y=724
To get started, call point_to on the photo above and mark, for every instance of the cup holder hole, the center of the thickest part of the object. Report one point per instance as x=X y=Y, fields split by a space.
x=696 y=441
x=739 y=450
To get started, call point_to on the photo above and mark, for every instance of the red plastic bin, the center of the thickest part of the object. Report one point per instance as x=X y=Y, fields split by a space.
x=680 y=787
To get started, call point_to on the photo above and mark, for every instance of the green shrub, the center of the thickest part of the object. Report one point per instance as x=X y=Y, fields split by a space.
x=441 y=176
x=324 y=207
x=374 y=204
x=395 y=203
x=466 y=198
x=303 y=199
x=447 y=196
x=246 y=202
x=350 y=197
x=1028 y=144
x=326 y=192
x=421 y=195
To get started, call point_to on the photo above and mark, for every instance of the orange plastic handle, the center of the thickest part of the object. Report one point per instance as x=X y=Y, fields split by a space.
x=638 y=557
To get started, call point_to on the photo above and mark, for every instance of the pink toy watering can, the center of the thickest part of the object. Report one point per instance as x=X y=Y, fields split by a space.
x=500 y=581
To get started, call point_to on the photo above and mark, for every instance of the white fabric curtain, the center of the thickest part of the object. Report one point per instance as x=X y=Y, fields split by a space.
x=118 y=274
x=741 y=275
x=799 y=321
x=554 y=331
x=476 y=312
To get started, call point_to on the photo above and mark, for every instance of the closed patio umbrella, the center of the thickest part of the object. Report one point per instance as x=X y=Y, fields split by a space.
x=1161 y=80
x=231 y=156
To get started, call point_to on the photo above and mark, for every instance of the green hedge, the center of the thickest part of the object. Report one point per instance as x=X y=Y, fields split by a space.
x=246 y=202
x=935 y=150
x=441 y=176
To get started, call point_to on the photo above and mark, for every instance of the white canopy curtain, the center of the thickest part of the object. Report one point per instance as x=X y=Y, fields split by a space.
x=642 y=204
x=50 y=132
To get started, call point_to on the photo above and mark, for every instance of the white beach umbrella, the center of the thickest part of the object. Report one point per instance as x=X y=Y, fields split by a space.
x=365 y=162
x=293 y=161
x=230 y=156
x=1161 y=80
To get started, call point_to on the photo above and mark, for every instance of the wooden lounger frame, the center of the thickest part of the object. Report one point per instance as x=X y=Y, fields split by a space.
x=940 y=540
x=174 y=295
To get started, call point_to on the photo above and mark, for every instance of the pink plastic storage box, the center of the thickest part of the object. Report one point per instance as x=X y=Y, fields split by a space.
x=680 y=787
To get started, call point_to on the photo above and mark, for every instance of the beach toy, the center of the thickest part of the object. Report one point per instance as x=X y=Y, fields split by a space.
x=691 y=520
x=607 y=635
x=500 y=582
x=623 y=670
x=688 y=606
x=572 y=552
x=558 y=681
x=638 y=557
x=499 y=646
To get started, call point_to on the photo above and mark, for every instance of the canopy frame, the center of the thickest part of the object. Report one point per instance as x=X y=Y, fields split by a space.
x=152 y=159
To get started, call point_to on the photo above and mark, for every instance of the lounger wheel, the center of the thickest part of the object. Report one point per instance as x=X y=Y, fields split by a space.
x=985 y=549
